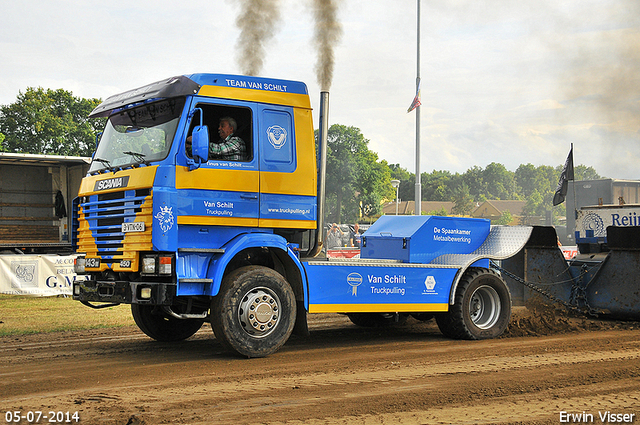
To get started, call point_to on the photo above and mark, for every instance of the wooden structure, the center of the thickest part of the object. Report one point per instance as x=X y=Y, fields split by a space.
x=30 y=185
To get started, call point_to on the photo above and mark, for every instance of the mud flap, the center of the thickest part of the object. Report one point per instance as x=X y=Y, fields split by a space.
x=301 y=327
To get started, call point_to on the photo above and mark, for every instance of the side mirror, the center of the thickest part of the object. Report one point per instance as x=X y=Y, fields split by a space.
x=200 y=143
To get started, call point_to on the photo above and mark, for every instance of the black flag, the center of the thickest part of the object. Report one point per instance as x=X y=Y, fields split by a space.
x=563 y=183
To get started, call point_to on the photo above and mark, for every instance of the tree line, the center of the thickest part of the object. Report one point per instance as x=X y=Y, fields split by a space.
x=534 y=184
x=52 y=122
x=358 y=182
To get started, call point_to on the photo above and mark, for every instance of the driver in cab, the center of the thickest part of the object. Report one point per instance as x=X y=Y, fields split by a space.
x=228 y=147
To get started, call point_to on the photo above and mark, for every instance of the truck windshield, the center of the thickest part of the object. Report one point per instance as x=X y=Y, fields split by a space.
x=138 y=135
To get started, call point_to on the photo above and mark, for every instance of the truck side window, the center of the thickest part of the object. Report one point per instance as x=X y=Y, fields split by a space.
x=234 y=123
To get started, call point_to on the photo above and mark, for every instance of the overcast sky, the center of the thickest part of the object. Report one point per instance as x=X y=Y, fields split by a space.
x=503 y=81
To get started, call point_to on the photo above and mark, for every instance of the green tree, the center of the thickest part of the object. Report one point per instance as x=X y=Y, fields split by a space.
x=499 y=182
x=526 y=177
x=441 y=212
x=534 y=184
x=542 y=179
x=537 y=186
x=473 y=178
x=463 y=200
x=49 y=122
x=356 y=181
x=373 y=184
x=535 y=205
x=505 y=218
x=437 y=186
x=582 y=172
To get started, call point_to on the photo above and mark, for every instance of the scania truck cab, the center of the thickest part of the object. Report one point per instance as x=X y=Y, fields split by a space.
x=183 y=237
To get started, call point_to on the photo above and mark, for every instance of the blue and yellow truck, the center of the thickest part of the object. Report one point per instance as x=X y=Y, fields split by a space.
x=183 y=237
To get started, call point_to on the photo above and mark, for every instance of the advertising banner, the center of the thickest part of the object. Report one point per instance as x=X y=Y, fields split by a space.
x=343 y=252
x=37 y=275
x=569 y=252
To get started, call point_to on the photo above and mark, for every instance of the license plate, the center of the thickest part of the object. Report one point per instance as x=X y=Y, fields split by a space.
x=92 y=263
x=137 y=226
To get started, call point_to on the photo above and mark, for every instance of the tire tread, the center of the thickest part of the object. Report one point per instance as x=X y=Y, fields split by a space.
x=453 y=324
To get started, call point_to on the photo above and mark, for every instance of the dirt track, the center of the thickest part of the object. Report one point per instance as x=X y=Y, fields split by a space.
x=341 y=374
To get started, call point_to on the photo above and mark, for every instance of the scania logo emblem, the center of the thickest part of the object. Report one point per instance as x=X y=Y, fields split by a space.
x=277 y=136
x=165 y=218
x=114 y=183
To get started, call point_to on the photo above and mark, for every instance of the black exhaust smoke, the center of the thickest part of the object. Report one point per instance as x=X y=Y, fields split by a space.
x=327 y=33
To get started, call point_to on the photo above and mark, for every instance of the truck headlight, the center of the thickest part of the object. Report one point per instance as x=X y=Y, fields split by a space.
x=149 y=265
x=78 y=265
x=158 y=264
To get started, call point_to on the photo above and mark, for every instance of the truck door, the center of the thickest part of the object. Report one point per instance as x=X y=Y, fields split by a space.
x=287 y=189
x=222 y=191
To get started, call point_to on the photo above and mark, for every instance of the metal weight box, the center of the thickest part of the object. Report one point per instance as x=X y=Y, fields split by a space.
x=420 y=239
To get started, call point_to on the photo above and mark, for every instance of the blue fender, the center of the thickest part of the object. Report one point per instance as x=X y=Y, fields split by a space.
x=218 y=265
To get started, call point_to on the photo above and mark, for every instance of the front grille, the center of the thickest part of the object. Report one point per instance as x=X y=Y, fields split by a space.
x=100 y=224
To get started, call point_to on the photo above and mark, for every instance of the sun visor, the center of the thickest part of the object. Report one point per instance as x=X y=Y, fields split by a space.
x=164 y=89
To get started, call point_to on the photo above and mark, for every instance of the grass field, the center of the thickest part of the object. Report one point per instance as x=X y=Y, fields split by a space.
x=26 y=315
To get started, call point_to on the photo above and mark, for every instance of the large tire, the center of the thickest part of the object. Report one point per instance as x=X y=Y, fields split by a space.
x=377 y=320
x=254 y=312
x=161 y=326
x=481 y=309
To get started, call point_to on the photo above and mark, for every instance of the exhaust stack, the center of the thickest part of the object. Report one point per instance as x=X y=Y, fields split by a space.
x=323 y=129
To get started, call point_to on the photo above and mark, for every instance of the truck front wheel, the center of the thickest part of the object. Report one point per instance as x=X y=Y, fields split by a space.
x=482 y=307
x=254 y=312
x=162 y=327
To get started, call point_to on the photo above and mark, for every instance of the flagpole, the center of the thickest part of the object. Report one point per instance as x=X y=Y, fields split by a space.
x=418 y=188
x=575 y=202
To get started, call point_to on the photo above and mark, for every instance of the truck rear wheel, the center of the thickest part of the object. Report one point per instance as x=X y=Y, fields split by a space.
x=162 y=327
x=254 y=312
x=481 y=309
